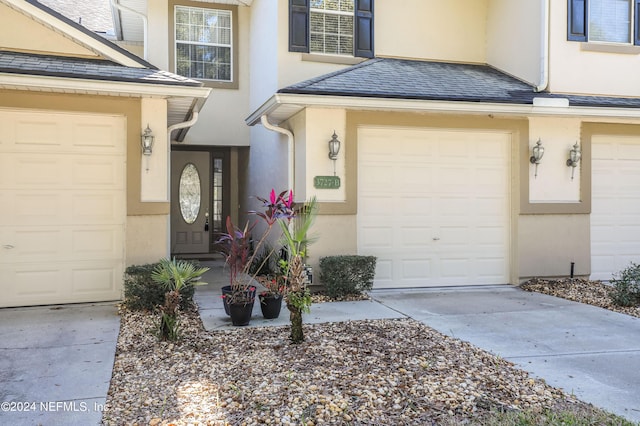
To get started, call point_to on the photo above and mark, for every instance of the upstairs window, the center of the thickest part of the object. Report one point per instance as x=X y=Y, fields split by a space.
x=333 y=27
x=203 y=40
x=604 y=21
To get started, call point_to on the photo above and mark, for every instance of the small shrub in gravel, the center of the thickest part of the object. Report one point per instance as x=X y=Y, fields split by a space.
x=141 y=293
x=626 y=288
x=347 y=275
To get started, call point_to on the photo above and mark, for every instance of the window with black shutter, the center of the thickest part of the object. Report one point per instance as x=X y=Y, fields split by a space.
x=332 y=27
x=604 y=21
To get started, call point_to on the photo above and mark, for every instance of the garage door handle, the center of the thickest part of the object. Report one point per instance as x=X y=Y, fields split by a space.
x=7 y=246
x=436 y=238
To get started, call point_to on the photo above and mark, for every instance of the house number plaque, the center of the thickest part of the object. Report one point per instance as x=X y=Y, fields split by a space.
x=326 y=182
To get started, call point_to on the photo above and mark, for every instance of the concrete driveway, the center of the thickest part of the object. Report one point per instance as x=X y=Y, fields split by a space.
x=56 y=363
x=590 y=352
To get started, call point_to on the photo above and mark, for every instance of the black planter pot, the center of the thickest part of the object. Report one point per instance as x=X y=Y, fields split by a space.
x=240 y=313
x=270 y=306
x=226 y=290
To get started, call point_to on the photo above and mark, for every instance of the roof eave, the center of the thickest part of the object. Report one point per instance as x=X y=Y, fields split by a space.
x=281 y=106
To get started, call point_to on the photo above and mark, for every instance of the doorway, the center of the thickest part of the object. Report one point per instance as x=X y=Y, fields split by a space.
x=199 y=200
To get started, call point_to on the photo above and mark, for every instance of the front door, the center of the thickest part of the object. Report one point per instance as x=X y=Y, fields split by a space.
x=189 y=202
x=199 y=190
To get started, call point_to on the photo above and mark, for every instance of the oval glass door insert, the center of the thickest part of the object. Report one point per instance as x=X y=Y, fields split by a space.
x=190 y=193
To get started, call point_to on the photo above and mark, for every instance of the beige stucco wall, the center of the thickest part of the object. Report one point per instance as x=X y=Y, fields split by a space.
x=147 y=239
x=154 y=169
x=18 y=32
x=514 y=38
x=590 y=68
x=452 y=30
x=221 y=120
x=547 y=245
x=553 y=183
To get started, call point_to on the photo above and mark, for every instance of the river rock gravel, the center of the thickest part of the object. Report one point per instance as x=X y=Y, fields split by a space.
x=594 y=293
x=382 y=372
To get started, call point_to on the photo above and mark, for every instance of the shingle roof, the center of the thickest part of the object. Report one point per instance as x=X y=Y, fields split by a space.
x=94 y=15
x=93 y=69
x=412 y=79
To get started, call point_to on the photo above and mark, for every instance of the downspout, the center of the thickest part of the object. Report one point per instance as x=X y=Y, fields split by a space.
x=290 y=153
x=544 y=49
x=145 y=23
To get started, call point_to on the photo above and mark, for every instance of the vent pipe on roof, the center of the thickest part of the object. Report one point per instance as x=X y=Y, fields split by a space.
x=145 y=22
x=544 y=48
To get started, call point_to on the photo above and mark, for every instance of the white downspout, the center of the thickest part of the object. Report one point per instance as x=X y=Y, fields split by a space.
x=290 y=153
x=194 y=117
x=145 y=22
x=544 y=49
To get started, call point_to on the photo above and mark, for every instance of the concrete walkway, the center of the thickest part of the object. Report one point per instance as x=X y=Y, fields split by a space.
x=56 y=363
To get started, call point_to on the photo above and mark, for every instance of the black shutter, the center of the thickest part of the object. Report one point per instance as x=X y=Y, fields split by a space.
x=363 y=31
x=299 y=26
x=636 y=17
x=577 y=24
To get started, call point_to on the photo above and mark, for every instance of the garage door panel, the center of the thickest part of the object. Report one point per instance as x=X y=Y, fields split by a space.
x=40 y=131
x=413 y=269
x=450 y=210
x=92 y=135
x=415 y=236
x=64 y=177
x=384 y=271
x=377 y=237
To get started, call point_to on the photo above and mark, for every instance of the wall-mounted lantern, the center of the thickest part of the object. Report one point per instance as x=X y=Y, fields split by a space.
x=574 y=158
x=536 y=155
x=146 y=141
x=334 y=149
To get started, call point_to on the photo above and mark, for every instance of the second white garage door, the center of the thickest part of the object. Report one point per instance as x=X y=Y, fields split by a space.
x=62 y=207
x=433 y=206
x=615 y=212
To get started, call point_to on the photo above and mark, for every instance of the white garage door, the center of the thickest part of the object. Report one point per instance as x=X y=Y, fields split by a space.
x=62 y=207
x=615 y=209
x=433 y=206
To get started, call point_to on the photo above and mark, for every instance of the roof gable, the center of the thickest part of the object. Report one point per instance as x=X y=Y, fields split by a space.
x=77 y=34
x=22 y=33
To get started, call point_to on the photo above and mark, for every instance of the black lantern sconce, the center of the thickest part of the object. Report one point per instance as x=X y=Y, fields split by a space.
x=574 y=158
x=536 y=155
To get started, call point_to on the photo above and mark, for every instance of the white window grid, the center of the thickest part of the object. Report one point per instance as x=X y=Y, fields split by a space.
x=344 y=8
x=212 y=33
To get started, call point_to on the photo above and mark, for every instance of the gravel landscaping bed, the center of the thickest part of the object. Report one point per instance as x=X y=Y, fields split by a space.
x=579 y=290
x=382 y=372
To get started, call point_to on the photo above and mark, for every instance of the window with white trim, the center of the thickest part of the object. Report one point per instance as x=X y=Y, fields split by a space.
x=204 y=43
x=331 y=27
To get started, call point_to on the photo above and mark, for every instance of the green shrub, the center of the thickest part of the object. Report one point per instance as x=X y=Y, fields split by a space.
x=345 y=275
x=142 y=293
x=626 y=288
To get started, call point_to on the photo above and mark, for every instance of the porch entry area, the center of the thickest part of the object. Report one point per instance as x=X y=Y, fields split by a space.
x=434 y=209
x=199 y=200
